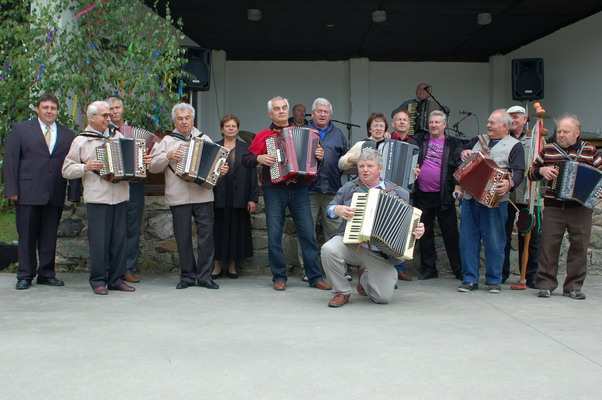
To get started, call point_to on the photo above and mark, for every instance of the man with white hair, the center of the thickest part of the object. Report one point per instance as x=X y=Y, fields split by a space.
x=520 y=197
x=292 y=194
x=378 y=275
x=480 y=223
x=325 y=186
x=187 y=200
x=106 y=203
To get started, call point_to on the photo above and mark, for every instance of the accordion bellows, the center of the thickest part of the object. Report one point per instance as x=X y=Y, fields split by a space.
x=201 y=161
x=294 y=149
x=399 y=161
x=578 y=182
x=123 y=159
x=383 y=220
x=478 y=176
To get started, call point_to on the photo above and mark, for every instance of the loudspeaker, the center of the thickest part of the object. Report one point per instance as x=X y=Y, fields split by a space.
x=198 y=68
x=527 y=79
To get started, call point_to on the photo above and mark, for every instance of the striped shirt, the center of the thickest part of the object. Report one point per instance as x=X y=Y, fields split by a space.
x=582 y=151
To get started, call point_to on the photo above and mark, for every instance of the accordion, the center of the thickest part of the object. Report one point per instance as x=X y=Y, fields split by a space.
x=295 y=152
x=479 y=176
x=201 y=161
x=149 y=138
x=123 y=159
x=399 y=161
x=578 y=182
x=412 y=111
x=383 y=220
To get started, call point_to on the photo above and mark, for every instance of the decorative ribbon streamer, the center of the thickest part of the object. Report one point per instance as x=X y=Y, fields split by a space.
x=40 y=73
x=74 y=108
x=85 y=10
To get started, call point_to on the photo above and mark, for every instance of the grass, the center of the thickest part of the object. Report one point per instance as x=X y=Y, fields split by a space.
x=8 y=228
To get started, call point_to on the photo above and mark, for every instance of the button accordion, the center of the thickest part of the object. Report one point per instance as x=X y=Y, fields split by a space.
x=123 y=159
x=399 y=161
x=295 y=151
x=579 y=182
x=149 y=138
x=201 y=161
x=383 y=220
x=479 y=176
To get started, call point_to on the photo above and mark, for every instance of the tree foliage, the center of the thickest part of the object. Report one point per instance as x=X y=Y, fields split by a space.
x=86 y=50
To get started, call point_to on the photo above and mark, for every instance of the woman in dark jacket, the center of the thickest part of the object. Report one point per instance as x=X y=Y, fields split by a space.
x=235 y=198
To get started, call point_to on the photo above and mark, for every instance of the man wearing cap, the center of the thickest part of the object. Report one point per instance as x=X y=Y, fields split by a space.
x=520 y=197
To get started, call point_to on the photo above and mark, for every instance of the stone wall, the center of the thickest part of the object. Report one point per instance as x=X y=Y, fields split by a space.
x=159 y=254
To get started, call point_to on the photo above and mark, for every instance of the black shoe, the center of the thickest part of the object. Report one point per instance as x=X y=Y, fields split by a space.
x=545 y=293
x=217 y=276
x=232 y=275
x=50 y=281
x=429 y=275
x=576 y=294
x=468 y=287
x=23 y=284
x=184 y=284
x=209 y=284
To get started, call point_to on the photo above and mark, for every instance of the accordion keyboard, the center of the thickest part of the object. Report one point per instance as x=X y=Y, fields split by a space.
x=354 y=227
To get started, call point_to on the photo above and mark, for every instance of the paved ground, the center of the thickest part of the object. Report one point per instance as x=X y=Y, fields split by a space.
x=247 y=341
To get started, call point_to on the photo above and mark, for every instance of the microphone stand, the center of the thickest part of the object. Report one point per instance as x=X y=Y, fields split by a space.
x=349 y=125
x=445 y=109
x=457 y=124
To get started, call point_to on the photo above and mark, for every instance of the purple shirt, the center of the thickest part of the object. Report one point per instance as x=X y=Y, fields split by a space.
x=429 y=179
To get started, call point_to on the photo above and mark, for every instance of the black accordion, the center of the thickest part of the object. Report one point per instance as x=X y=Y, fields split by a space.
x=399 y=161
x=383 y=220
x=149 y=138
x=201 y=161
x=295 y=152
x=123 y=159
x=578 y=182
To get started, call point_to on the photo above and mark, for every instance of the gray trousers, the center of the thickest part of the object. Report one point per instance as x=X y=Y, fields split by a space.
x=134 y=218
x=106 y=237
x=192 y=270
x=379 y=277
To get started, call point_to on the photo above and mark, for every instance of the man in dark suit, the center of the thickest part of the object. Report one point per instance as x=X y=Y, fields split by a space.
x=35 y=151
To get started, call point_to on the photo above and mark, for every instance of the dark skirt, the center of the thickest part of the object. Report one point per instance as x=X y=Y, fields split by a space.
x=232 y=234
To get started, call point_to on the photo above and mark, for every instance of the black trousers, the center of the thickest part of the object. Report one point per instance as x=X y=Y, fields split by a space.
x=107 y=240
x=430 y=204
x=37 y=227
x=192 y=270
x=134 y=218
x=533 y=248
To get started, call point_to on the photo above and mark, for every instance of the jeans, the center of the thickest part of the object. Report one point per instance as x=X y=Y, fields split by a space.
x=277 y=199
x=489 y=225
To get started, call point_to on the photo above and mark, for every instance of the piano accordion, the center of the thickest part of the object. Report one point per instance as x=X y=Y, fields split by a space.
x=295 y=152
x=201 y=161
x=579 y=182
x=478 y=176
x=149 y=138
x=383 y=220
x=123 y=159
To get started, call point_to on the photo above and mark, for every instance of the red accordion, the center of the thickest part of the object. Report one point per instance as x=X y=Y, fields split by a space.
x=295 y=151
x=479 y=176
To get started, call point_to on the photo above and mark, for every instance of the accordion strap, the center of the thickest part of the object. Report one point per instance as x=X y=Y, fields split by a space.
x=567 y=155
x=93 y=134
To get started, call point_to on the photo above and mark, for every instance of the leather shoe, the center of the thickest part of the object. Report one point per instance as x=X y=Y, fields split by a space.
x=280 y=285
x=131 y=278
x=23 y=284
x=50 y=281
x=339 y=300
x=123 y=287
x=232 y=275
x=403 y=276
x=101 y=290
x=430 y=275
x=322 y=285
x=184 y=284
x=209 y=284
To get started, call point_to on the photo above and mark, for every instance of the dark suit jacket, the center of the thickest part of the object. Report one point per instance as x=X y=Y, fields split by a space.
x=244 y=180
x=30 y=172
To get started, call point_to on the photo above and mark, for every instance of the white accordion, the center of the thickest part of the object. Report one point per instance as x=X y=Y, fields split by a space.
x=383 y=220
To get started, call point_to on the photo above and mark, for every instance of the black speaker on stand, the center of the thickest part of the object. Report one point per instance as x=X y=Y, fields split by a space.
x=527 y=79
x=198 y=68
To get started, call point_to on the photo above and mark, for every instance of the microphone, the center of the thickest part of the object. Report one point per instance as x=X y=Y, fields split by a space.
x=465 y=112
x=113 y=126
x=307 y=115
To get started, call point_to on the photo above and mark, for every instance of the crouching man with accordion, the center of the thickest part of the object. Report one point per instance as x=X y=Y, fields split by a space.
x=496 y=165
x=106 y=201
x=570 y=167
x=378 y=275
x=187 y=197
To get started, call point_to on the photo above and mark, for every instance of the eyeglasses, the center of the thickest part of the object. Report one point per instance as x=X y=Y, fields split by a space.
x=106 y=115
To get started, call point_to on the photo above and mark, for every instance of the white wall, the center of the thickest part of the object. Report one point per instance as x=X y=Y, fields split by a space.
x=572 y=70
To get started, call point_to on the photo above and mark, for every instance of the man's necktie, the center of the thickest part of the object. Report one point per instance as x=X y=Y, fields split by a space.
x=47 y=135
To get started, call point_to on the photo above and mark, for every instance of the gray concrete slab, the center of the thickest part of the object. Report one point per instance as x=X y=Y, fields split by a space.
x=246 y=341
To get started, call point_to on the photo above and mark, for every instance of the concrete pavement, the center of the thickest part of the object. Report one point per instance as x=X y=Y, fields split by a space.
x=246 y=341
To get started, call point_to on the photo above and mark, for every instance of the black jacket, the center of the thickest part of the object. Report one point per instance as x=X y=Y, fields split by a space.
x=30 y=172
x=450 y=161
x=244 y=180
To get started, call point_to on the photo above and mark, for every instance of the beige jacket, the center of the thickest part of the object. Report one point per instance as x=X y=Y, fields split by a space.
x=96 y=189
x=177 y=190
